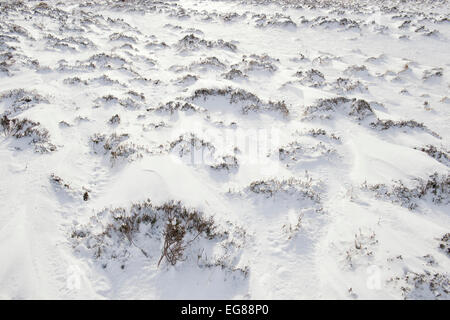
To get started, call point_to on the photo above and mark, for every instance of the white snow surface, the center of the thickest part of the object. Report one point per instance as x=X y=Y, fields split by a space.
x=314 y=134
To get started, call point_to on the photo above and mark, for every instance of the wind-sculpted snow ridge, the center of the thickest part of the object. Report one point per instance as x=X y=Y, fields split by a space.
x=230 y=149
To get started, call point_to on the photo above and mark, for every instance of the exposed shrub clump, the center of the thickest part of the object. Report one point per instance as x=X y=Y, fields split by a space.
x=296 y=151
x=356 y=70
x=275 y=20
x=191 y=42
x=58 y=181
x=19 y=100
x=24 y=128
x=234 y=74
x=345 y=85
x=193 y=149
x=444 y=243
x=439 y=155
x=436 y=189
x=63 y=187
x=359 y=110
x=256 y=62
x=75 y=81
x=303 y=189
x=362 y=249
x=115 y=119
x=106 y=61
x=247 y=100
x=412 y=124
x=425 y=285
x=173 y=106
x=115 y=147
x=168 y=233
x=186 y=80
x=122 y=37
x=312 y=78
x=356 y=108
x=433 y=73
x=323 y=133
x=226 y=163
x=209 y=63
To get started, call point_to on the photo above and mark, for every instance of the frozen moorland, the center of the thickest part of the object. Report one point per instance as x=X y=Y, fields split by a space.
x=225 y=149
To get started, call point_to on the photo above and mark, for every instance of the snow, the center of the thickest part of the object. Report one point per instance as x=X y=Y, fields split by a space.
x=311 y=197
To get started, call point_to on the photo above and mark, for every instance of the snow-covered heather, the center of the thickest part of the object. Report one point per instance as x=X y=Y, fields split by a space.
x=225 y=149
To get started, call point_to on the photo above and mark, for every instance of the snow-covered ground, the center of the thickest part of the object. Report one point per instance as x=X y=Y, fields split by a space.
x=199 y=149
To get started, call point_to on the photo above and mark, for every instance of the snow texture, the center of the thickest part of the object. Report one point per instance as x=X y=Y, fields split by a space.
x=254 y=149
